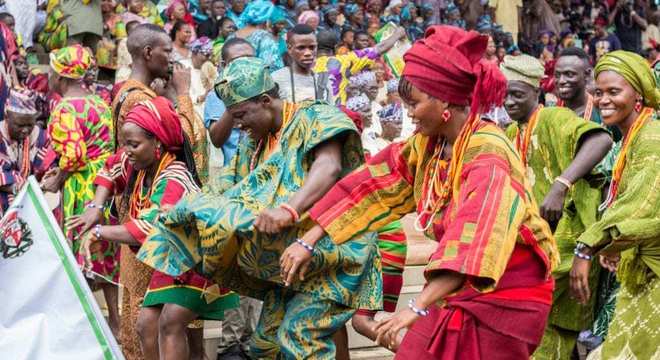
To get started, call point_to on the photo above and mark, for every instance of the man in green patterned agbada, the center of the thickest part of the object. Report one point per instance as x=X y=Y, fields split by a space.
x=560 y=151
x=238 y=227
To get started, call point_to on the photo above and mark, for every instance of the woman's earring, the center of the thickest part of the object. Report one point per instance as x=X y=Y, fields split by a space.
x=446 y=115
x=158 y=153
x=638 y=105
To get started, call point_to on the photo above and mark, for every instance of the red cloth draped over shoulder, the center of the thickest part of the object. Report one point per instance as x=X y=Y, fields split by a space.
x=472 y=321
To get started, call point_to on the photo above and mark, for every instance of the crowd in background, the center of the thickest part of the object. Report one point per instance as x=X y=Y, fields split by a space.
x=335 y=51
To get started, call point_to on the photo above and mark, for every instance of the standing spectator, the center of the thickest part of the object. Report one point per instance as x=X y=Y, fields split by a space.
x=255 y=17
x=354 y=18
x=84 y=21
x=25 y=15
x=236 y=12
x=181 y=35
x=114 y=30
x=81 y=131
x=507 y=14
x=298 y=82
x=651 y=36
x=603 y=41
x=211 y=26
x=202 y=73
x=329 y=21
x=142 y=11
x=454 y=16
x=362 y=40
x=23 y=146
x=177 y=12
x=227 y=28
x=628 y=20
x=346 y=42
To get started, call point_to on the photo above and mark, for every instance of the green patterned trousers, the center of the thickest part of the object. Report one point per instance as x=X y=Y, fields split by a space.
x=296 y=325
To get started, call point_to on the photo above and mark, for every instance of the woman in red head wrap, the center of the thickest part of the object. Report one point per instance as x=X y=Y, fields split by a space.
x=489 y=289
x=153 y=171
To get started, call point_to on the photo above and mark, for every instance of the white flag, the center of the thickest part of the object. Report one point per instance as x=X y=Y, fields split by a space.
x=47 y=311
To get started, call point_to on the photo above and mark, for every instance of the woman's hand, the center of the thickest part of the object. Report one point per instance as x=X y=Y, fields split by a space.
x=295 y=259
x=579 y=280
x=387 y=331
x=89 y=246
x=84 y=222
x=610 y=261
x=553 y=204
x=273 y=221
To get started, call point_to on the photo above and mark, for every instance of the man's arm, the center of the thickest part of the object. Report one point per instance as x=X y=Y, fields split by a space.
x=592 y=151
x=385 y=45
x=221 y=130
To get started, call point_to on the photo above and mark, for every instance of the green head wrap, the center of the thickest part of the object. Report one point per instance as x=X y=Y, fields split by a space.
x=635 y=70
x=243 y=79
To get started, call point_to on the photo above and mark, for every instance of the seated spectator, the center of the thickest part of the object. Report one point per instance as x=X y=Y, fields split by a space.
x=603 y=41
x=651 y=36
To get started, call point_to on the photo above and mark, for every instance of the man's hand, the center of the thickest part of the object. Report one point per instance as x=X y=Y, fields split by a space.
x=579 y=280
x=52 y=180
x=273 y=221
x=181 y=79
x=553 y=204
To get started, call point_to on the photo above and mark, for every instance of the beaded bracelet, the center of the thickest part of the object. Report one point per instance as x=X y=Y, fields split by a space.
x=308 y=247
x=94 y=206
x=97 y=231
x=581 y=255
x=291 y=210
x=420 y=312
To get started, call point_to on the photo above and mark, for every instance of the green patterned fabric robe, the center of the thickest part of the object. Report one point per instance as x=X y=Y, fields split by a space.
x=553 y=146
x=213 y=230
x=631 y=225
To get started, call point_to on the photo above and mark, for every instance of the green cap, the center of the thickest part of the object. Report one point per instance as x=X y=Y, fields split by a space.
x=523 y=68
x=242 y=79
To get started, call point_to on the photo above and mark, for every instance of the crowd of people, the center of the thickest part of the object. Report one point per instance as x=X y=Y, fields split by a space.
x=251 y=162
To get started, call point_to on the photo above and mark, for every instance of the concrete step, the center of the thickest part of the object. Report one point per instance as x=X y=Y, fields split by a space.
x=373 y=353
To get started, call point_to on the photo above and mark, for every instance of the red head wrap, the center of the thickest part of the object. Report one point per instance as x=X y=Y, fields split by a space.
x=157 y=116
x=447 y=64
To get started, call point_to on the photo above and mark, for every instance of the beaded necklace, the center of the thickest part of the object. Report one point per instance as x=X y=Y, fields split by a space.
x=617 y=172
x=139 y=199
x=523 y=140
x=437 y=192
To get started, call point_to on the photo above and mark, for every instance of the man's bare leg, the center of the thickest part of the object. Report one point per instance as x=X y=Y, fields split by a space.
x=173 y=338
x=147 y=328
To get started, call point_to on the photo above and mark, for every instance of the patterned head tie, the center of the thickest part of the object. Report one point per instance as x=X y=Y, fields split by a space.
x=358 y=103
x=243 y=79
x=22 y=102
x=393 y=86
x=202 y=45
x=362 y=79
x=392 y=113
x=71 y=62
